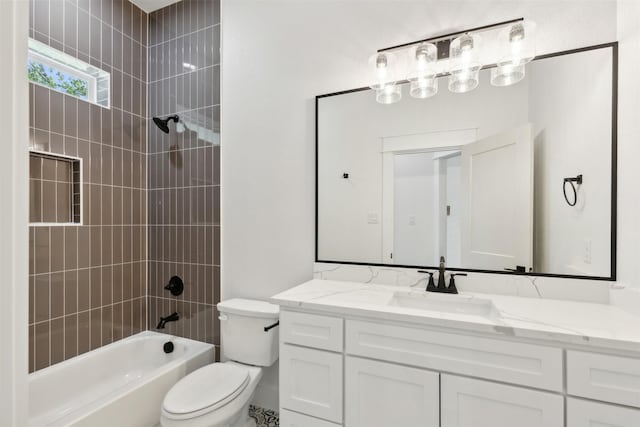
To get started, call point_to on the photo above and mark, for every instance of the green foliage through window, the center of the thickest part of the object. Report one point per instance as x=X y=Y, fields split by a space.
x=57 y=80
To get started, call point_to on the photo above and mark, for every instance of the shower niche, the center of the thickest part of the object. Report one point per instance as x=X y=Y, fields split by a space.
x=55 y=190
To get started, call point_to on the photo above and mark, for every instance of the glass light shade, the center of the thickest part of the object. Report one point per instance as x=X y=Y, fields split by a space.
x=424 y=87
x=464 y=80
x=464 y=53
x=383 y=70
x=507 y=75
x=517 y=43
x=422 y=58
x=390 y=94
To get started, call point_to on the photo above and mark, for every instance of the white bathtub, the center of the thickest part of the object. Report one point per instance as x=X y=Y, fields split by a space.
x=121 y=384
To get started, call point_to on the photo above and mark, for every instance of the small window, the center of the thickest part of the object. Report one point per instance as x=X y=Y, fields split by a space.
x=64 y=73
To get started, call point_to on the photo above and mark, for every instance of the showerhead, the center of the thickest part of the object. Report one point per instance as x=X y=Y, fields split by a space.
x=163 y=124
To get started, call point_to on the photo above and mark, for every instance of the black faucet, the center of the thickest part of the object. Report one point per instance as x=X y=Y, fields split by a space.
x=170 y=318
x=442 y=286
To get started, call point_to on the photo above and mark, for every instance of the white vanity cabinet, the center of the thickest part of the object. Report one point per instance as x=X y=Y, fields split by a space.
x=351 y=372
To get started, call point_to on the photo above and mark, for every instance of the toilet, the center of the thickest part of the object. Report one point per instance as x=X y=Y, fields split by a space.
x=218 y=395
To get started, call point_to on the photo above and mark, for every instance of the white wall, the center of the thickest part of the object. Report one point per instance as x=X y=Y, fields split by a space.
x=279 y=54
x=568 y=144
x=628 y=146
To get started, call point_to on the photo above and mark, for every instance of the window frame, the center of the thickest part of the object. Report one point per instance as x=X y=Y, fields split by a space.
x=55 y=59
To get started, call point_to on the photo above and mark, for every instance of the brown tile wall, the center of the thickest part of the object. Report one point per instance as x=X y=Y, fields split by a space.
x=184 y=168
x=87 y=283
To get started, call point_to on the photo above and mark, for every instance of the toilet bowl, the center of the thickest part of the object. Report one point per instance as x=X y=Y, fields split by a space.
x=219 y=394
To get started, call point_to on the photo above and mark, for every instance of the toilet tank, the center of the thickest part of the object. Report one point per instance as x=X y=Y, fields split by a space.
x=242 y=329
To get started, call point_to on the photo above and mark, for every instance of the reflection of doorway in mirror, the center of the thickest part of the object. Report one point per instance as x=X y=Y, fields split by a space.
x=426 y=207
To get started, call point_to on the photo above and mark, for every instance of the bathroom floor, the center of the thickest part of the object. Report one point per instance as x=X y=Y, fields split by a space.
x=264 y=417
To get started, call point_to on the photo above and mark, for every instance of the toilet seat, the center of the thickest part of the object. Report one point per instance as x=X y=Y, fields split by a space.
x=205 y=390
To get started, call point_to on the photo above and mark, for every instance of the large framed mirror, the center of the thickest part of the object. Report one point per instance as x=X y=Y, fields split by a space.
x=515 y=180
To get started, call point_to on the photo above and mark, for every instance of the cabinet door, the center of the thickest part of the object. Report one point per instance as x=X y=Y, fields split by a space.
x=583 y=413
x=379 y=394
x=311 y=382
x=475 y=403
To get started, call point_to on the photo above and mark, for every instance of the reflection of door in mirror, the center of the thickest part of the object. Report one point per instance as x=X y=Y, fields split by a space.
x=497 y=177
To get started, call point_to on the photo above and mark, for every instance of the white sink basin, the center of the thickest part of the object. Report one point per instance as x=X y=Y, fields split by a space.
x=446 y=303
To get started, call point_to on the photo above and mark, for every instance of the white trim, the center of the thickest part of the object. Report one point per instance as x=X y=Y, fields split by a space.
x=14 y=193
x=430 y=141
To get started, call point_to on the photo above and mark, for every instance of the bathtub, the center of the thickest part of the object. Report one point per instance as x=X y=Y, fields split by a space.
x=121 y=384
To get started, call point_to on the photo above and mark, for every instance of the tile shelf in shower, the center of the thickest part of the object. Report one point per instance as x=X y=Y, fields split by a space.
x=55 y=189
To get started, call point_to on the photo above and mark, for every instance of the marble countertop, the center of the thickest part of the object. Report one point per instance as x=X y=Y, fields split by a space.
x=566 y=322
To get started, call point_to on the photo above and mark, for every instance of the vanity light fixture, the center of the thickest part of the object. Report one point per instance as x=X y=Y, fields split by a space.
x=458 y=55
x=518 y=46
x=424 y=83
x=385 y=68
x=465 y=63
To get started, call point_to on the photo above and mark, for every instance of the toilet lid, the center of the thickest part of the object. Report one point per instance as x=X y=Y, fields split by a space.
x=209 y=388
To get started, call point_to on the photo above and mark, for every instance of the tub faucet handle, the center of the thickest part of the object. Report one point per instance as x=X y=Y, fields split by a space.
x=175 y=286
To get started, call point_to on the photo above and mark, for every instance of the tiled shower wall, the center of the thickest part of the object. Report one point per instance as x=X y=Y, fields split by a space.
x=87 y=283
x=184 y=166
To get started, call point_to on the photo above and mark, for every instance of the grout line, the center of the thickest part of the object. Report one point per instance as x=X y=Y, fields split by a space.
x=87 y=140
x=184 y=34
x=173 y=76
x=85 y=311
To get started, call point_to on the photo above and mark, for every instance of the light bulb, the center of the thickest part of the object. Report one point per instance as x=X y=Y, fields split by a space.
x=464 y=58
x=422 y=76
x=518 y=43
x=383 y=69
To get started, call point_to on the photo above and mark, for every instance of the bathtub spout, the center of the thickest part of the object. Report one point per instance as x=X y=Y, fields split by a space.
x=164 y=320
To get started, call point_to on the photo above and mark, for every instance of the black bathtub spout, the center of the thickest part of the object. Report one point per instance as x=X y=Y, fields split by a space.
x=164 y=320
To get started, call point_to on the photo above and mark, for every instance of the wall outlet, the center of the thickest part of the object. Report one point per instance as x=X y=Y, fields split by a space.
x=372 y=217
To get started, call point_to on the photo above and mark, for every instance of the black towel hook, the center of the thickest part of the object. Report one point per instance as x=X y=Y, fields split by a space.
x=573 y=182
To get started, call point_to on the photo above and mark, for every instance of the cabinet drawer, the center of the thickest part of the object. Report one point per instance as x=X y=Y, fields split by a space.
x=582 y=413
x=474 y=403
x=379 y=394
x=311 y=382
x=526 y=364
x=602 y=377
x=311 y=330
x=293 y=419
